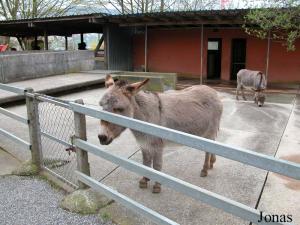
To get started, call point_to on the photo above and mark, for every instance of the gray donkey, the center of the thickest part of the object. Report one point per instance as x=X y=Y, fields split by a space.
x=256 y=80
x=196 y=110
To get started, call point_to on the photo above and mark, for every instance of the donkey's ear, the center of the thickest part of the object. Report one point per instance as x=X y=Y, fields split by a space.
x=109 y=81
x=134 y=88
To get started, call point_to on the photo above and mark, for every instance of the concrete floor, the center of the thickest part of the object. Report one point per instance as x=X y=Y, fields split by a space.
x=57 y=83
x=243 y=125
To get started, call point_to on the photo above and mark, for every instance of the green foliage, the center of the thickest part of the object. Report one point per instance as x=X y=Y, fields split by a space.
x=105 y=216
x=26 y=169
x=283 y=23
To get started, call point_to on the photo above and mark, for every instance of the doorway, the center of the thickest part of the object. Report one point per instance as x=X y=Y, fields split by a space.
x=238 y=56
x=214 y=50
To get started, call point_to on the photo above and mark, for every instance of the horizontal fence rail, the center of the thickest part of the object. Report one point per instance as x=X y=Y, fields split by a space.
x=15 y=139
x=60 y=177
x=56 y=139
x=14 y=116
x=49 y=99
x=213 y=199
x=13 y=89
x=252 y=158
x=129 y=203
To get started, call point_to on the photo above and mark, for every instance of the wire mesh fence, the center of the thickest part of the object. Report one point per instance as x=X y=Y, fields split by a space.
x=57 y=128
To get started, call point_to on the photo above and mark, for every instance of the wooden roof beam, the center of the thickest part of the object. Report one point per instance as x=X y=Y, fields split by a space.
x=96 y=20
x=182 y=23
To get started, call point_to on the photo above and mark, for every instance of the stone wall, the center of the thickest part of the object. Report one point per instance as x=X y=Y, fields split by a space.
x=16 y=66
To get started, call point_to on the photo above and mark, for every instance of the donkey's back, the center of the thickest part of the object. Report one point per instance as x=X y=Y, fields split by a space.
x=196 y=110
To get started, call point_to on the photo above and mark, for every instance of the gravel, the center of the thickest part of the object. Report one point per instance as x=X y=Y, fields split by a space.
x=30 y=201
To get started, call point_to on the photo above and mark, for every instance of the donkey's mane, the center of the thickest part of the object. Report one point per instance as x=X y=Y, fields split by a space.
x=121 y=83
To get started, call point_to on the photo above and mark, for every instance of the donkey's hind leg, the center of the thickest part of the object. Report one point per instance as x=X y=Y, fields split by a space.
x=237 y=92
x=206 y=165
x=147 y=161
x=212 y=161
x=157 y=165
x=210 y=158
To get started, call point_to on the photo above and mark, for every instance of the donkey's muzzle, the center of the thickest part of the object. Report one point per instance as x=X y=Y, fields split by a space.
x=104 y=140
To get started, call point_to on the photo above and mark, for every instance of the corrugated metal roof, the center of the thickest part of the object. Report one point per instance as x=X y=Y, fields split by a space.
x=94 y=22
x=51 y=18
x=223 y=12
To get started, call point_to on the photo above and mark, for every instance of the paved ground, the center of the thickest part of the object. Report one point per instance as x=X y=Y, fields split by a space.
x=7 y=162
x=243 y=124
x=58 y=83
x=32 y=201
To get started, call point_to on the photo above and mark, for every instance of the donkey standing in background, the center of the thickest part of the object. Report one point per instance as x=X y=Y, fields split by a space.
x=196 y=110
x=256 y=80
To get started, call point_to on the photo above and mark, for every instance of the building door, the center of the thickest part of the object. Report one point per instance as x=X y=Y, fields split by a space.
x=238 y=56
x=214 y=58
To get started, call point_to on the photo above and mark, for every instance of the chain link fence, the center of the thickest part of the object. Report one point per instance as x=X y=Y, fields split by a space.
x=57 y=128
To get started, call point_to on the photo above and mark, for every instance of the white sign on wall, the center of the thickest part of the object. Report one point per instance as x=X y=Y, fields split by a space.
x=213 y=45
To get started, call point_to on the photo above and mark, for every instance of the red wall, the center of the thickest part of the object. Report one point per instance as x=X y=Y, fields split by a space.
x=179 y=51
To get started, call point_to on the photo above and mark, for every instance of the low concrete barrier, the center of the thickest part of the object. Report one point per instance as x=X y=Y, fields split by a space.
x=158 y=81
x=17 y=66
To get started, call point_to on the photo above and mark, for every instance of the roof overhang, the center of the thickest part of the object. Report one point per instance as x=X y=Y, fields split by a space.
x=60 y=26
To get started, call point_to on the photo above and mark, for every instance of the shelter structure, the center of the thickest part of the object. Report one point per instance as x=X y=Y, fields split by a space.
x=207 y=44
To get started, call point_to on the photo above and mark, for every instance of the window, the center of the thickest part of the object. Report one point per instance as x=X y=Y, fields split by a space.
x=213 y=45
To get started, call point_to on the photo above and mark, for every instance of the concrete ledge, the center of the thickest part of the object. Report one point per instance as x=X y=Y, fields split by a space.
x=54 y=84
x=158 y=81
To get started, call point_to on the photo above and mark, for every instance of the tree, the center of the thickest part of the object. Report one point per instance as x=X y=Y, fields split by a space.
x=278 y=18
x=25 y=9
x=146 y=6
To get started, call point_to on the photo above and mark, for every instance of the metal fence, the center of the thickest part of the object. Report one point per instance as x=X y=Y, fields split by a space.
x=29 y=120
x=57 y=128
x=82 y=148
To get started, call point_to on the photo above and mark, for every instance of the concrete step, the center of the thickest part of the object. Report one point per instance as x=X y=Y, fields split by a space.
x=55 y=84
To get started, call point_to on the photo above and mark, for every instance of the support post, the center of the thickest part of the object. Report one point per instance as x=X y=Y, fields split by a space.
x=81 y=38
x=268 y=55
x=146 y=48
x=34 y=130
x=106 y=40
x=20 y=43
x=66 y=43
x=35 y=43
x=46 y=44
x=100 y=42
x=201 y=56
x=82 y=156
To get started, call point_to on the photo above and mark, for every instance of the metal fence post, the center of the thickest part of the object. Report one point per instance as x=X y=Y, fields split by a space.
x=82 y=156
x=34 y=129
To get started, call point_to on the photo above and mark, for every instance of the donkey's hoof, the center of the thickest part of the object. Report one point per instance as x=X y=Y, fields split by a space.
x=203 y=173
x=156 y=188
x=143 y=183
x=211 y=166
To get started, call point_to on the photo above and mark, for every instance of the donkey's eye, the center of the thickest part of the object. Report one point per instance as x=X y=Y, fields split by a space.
x=118 y=110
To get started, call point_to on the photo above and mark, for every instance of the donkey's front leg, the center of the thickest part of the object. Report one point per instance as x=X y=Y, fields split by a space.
x=157 y=165
x=243 y=93
x=147 y=161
